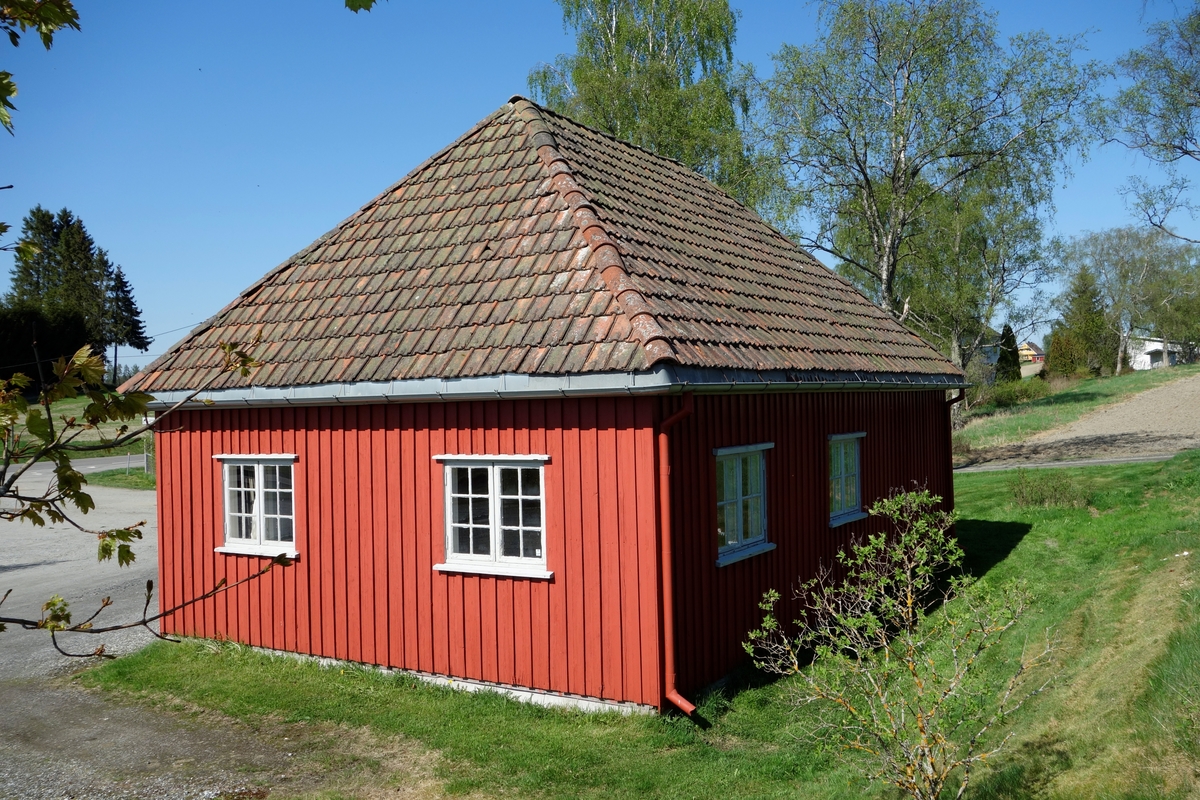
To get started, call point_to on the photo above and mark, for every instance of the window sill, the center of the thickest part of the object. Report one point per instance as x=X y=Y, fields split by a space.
x=742 y=553
x=498 y=570
x=258 y=550
x=844 y=518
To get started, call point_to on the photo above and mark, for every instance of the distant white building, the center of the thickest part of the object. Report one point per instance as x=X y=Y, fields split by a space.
x=1153 y=353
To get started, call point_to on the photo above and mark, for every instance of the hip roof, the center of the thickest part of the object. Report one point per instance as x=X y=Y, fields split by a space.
x=534 y=245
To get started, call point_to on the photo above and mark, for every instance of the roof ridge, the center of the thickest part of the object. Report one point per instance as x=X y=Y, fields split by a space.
x=606 y=256
x=611 y=137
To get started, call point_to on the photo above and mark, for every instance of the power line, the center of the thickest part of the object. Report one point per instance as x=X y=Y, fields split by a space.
x=184 y=328
x=52 y=360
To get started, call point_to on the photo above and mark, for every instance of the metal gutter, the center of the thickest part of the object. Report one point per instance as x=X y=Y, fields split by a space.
x=662 y=379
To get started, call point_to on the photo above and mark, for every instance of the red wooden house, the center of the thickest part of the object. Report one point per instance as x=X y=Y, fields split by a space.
x=551 y=412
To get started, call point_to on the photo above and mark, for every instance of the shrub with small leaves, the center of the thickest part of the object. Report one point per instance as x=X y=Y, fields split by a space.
x=887 y=653
x=1007 y=395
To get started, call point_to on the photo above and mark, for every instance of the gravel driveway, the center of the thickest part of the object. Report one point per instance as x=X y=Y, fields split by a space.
x=60 y=741
x=1159 y=421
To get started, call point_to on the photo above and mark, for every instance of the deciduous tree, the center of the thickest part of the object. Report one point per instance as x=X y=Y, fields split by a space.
x=896 y=103
x=659 y=74
x=47 y=17
x=976 y=254
x=1136 y=271
x=1158 y=115
x=30 y=434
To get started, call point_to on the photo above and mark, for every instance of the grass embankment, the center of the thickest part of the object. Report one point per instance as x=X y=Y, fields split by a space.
x=991 y=427
x=1121 y=721
x=74 y=406
x=134 y=478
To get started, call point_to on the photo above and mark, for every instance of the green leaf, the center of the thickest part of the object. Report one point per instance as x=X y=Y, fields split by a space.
x=38 y=425
x=8 y=89
x=56 y=614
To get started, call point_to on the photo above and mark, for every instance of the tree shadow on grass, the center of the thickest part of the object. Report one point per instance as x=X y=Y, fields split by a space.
x=987 y=542
x=1024 y=771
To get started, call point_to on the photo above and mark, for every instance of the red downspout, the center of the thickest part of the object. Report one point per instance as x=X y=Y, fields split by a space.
x=664 y=496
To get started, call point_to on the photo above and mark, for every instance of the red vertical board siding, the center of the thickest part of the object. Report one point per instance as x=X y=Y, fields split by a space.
x=369 y=528
x=907 y=442
x=568 y=561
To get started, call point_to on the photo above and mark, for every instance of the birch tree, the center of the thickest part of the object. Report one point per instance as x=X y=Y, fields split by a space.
x=1139 y=273
x=658 y=74
x=898 y=102
x=1157 y=113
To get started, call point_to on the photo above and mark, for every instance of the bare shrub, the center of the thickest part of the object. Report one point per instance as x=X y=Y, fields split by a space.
x=1059 y=382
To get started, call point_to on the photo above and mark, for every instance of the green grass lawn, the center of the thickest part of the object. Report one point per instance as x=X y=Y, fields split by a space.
x=134 y=478
x=74 y=406
x=1122 y=719
x=989 y=427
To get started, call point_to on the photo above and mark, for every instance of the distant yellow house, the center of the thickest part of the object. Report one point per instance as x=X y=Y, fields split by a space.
x=1030 y=353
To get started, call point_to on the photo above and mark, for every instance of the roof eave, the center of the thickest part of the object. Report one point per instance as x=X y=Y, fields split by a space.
x=662 y=379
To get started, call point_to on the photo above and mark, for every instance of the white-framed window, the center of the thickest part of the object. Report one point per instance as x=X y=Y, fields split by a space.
x=845 y=484
x=259 y=499
x=741 y=502
x=495 y=515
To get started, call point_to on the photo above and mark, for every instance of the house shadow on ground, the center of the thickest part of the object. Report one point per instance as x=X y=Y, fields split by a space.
x=987 y=542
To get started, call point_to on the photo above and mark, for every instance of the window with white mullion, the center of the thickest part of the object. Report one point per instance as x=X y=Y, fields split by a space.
x=277 y=502
x=259 y=504
x=494 y=514
x=520 y=494
x=240 y=479
x=470 y=512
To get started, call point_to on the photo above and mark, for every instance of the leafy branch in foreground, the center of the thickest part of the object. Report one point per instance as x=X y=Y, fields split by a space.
x=56 y=613
x=890 y=658
x=29 y=434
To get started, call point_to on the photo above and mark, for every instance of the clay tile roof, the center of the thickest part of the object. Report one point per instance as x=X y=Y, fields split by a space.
x=534 y=244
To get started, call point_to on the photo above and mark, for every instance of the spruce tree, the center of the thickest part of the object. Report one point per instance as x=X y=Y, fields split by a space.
x=1008 y=367
x=124 y=317
x=82 y=279
x=64 y=280
x=1090 y=342
x=35 y=268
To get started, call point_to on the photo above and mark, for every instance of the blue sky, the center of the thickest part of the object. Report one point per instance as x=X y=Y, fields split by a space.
x=204 y=143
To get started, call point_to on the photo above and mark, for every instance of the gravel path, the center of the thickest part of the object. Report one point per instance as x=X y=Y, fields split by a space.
x=58 y=740
x=1159 y=421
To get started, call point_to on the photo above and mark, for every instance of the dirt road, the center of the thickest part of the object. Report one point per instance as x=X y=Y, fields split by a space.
x=1162 y=420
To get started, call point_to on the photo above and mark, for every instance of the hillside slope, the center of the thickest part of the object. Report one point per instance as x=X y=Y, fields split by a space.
x=1132 y=415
